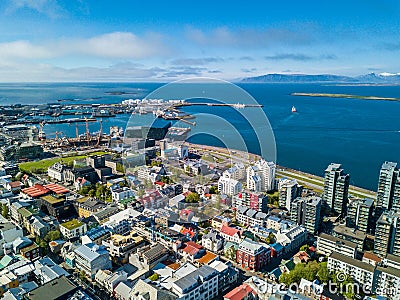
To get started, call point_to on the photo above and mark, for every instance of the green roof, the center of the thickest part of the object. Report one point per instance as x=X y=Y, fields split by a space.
x=74 y=223
x=51 y=199
x=126 y=201
x=24 y=212
x=30 y=248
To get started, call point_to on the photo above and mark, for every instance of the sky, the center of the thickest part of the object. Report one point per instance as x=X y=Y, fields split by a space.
x=95 y=40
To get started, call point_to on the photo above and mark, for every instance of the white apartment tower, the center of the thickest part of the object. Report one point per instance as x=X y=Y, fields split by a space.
x=261 y=176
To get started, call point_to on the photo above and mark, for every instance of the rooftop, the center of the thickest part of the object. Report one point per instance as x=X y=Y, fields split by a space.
x=207 y=258
x=352 y=261
x=74 y=223
x=240 y=292
x=54 y=289
x=229 y=230
x=389 y=270
x=52 y=200
x=204 y=271
x=337 y=240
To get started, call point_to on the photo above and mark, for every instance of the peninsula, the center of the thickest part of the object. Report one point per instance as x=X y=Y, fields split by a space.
x=347 y=96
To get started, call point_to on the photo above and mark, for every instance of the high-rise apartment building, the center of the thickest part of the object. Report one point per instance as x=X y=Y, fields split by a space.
x=261 y=176
x=336 y=187
x=359 y=214
x=388 y=195
x=306 y=211
x=387 y=234
x=289 y=190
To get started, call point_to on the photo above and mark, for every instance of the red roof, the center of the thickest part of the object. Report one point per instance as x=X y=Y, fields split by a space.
x=159 y=183
x=229 y=230
x=56 y=188
x=372 y=256
x=240 y=292
x=36 y=191
x=189 y=231
x=186 y=211
x=15 y=184
x=192 y=248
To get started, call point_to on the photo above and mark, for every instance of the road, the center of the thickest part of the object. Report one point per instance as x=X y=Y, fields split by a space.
x=317 y=183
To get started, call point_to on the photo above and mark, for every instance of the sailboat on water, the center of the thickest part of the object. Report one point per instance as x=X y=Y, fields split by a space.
x=294 y=109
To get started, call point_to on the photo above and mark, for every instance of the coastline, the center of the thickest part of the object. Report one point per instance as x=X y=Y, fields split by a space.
x=310 y=180
x=346 y=96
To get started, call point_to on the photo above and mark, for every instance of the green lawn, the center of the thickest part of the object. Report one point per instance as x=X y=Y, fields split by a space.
x=41 y=166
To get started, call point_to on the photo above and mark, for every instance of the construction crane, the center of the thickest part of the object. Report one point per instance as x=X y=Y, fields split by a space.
x=87 y=131
x=100 y=132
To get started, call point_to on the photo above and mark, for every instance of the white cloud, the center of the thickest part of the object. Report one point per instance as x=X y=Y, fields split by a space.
x=33 y=72
x=50 y=8
x=225 y=37
x=119 y=45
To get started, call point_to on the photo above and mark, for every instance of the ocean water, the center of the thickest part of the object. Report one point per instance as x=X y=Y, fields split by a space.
x=359 y=134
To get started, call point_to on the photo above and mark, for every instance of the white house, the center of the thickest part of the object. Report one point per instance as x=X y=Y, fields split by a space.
x=119 y=194
x=73 y=229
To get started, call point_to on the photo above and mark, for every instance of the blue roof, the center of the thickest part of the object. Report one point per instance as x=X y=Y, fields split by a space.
x=97 y=232
x=277 y=246
x=276 y=272
x=276 y=219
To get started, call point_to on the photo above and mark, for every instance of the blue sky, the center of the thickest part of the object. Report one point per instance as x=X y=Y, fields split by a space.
x=78 y=40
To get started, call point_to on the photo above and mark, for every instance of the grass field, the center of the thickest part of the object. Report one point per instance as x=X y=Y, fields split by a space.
x=41 y=166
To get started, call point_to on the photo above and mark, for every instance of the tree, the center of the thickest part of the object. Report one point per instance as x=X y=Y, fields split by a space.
x=154 y=277
x=230 y=253
x=213 y=189
x=92 y=193
x=285 y=278
x=270 y=239
x=192 y=197
x=323 y=272
x=304 y=248
x=4 y=211
x=140 y=193
x=52 y=235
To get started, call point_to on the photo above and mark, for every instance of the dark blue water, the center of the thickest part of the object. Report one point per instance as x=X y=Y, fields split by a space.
x=360 y=134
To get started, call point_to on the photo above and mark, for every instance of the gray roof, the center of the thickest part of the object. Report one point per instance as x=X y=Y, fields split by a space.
x=393 y=258
x=108 y=211
x=90 y=251
x=53 y=289
x=213 y=235
x=251 y=213
x=352 y=261
x=155 y=252
x=388 y=165
x=337 y=240
x=7 y=226
x=241 y=209
x=389 y=270
x=205 y=272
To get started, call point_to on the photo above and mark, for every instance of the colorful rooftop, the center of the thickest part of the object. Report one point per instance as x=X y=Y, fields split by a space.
x=74 y=223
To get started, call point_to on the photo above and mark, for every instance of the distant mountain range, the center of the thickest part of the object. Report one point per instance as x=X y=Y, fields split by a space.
x=382 y=78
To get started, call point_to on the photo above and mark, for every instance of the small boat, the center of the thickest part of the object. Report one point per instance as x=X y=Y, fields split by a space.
x=294 y=109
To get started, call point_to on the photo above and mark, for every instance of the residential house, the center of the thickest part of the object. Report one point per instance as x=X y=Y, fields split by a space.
x=212 y=241
x=91 y=257
x=73 y=229
x=231 y=234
